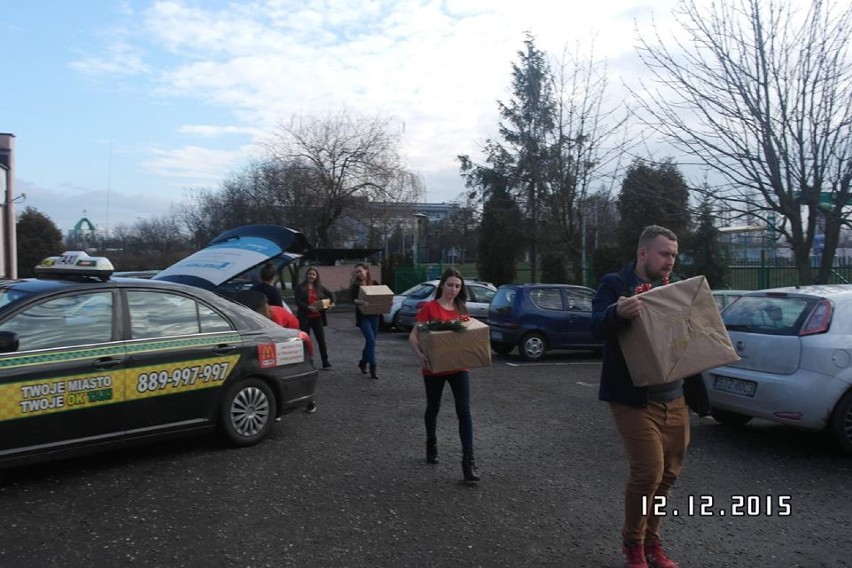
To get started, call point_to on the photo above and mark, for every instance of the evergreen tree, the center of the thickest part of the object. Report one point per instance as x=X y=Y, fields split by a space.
x=528 y=123
x=651 y=194
x=500 y=243
x=706 y=255
x=520 y=157
x=38 y=237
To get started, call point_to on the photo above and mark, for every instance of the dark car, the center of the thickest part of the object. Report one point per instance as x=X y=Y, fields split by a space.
x=537 y=318
x=89 y=362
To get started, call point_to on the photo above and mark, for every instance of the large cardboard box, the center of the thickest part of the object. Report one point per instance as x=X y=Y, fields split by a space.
x=379 y=299
x=679 y=333
x=453 y=350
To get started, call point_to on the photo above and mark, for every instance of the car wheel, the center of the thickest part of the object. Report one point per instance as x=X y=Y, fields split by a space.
x=247 y=413
x=532 y=347
x=842 y=422
x=502 y=348
x=395 y=322
x=728 y=418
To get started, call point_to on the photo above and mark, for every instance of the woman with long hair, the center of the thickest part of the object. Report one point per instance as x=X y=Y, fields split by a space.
x=367 y=323
x=311 y=311
x=449 y=305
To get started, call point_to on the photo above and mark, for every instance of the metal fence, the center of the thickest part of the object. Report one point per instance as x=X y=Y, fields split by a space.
x=773 y=273
x=742 y=275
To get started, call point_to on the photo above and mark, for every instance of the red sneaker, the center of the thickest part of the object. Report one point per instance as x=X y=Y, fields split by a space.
x=634 y=556
x=656 y=557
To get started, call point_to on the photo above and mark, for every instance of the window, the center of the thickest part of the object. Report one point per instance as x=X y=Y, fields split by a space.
x=547 y=298
x=480 y=294
x=162 y=314
x=768 y=315
x=78 y=319
x=580 y=300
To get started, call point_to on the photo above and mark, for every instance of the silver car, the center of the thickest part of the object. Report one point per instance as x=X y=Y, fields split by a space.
x=479 y=296
x=796 y=366
x=391 y=319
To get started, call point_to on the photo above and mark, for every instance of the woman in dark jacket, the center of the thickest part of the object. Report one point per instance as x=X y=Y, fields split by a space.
x=310 y=308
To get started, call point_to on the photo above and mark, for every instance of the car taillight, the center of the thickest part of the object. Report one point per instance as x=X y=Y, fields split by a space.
x=309 y=345
x=819 y=320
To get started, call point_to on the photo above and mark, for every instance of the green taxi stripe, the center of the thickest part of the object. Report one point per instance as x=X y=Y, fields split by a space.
x=118 y=348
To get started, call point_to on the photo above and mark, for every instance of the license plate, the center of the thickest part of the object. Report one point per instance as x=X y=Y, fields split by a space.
x=735 y=386
x=496 y=335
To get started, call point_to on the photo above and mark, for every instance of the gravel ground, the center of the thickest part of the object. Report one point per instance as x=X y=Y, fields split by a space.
x=348 y=485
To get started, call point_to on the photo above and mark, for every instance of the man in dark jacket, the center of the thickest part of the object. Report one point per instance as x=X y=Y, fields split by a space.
x=653 y=421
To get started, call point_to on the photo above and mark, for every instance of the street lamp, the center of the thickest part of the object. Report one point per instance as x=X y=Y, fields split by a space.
x=418 y=218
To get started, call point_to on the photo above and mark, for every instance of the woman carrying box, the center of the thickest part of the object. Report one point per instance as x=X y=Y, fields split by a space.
x=310 y=307
x=367 y=323
x=448 y=306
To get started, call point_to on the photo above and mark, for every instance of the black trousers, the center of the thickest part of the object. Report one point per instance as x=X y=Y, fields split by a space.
x=315 y=325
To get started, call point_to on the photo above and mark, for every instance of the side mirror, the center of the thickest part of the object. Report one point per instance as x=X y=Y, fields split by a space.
x=8 y=342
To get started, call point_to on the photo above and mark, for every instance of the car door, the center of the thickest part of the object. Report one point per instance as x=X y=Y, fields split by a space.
x=550 y=315
x=479 y=299
x=180 y=351
x=64 y=385
x=579 y=307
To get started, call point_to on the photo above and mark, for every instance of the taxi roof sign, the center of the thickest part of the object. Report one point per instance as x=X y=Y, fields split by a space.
x=75 y=263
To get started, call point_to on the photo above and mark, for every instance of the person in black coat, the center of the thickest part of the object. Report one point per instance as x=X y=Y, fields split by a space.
x=310 y=309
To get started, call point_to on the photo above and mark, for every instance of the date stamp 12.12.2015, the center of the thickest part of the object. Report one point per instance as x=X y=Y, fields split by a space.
x=710 y=506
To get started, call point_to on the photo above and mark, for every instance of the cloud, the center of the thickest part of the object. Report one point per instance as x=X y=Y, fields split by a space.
x=120 y=59
x=194 y=164
x=212 y=131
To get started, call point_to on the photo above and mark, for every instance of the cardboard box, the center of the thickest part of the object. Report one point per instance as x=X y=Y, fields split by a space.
x=322 y=304
x=379 y=298
x=679 y=333
x=453 y=350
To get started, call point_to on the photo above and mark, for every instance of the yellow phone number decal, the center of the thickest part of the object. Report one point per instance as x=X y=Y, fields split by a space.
x=156 y=380
x=181 y=377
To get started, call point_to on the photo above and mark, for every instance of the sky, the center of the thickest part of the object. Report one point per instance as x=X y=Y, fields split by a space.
x=120 y=109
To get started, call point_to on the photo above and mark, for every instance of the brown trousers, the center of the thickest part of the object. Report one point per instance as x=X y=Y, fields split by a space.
x=655 y=440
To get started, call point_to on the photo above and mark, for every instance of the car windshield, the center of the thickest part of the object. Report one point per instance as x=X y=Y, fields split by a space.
x=769 y=315
x=422 y=291
x=411 y=290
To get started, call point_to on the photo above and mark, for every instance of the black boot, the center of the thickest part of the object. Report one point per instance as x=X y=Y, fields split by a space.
x=469 y=467
x=432 y=451
x=363 y=366
x=373 y=374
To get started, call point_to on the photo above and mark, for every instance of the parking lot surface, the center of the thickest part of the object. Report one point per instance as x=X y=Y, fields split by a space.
x=348 y=485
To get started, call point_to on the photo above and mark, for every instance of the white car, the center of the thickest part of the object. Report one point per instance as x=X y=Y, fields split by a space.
x=796 y=366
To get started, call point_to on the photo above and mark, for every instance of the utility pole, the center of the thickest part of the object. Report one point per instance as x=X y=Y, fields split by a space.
x=8 y=240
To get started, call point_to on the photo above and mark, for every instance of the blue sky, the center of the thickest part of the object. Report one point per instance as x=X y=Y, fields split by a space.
x=119 y=109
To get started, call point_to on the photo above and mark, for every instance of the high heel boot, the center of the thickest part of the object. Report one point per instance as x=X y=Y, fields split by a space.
x=363 y=366
x=469 y=467
x=432 y=451
x=373 y=374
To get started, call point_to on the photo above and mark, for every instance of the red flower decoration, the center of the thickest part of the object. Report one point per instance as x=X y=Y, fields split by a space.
x=465 y=317
x=647 y=285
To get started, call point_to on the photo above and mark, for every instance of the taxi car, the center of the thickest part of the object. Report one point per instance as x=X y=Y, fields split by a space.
x=89 y=361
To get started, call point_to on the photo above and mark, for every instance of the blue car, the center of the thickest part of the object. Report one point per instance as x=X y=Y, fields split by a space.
x=537 y=318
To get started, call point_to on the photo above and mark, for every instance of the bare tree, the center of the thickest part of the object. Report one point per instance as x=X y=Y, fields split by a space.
x=343 y=160
x=590 y=139
x=762 y=94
